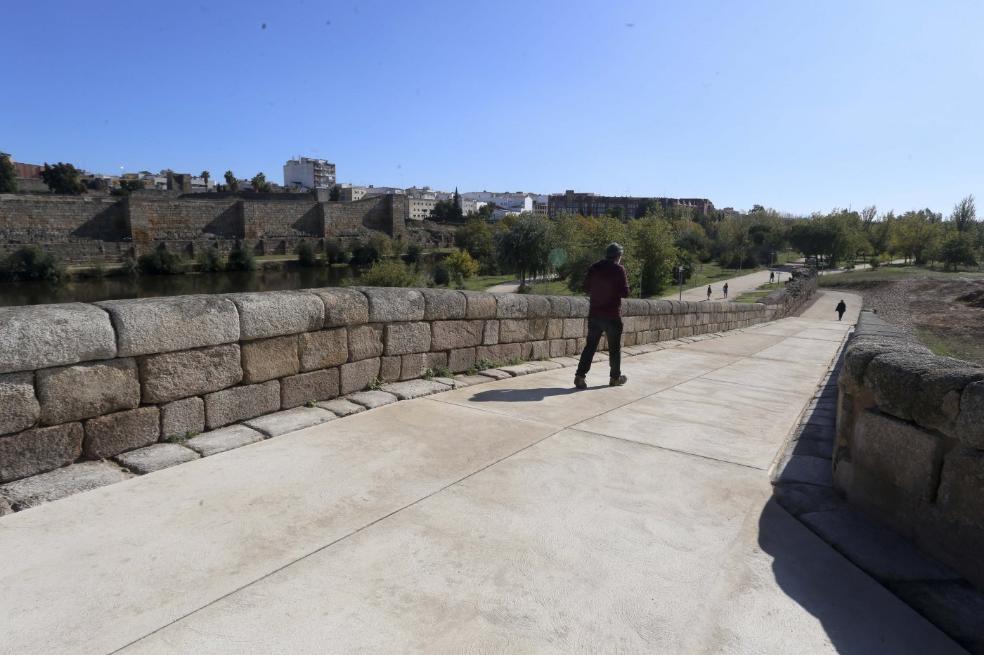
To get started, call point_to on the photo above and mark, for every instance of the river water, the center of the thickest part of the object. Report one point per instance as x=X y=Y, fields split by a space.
x=111 y=288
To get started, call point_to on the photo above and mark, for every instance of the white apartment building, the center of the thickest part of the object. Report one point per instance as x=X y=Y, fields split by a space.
x=421 y=208
x=307 y=173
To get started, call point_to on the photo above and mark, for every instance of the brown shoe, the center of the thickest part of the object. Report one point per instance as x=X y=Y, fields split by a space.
x=617 y=382
x=580 y=382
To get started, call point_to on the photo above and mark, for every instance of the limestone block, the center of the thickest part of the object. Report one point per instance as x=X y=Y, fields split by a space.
x=290 y=420
x=501 y=353
x=170 y=376
x=470 y=380
x=323 y=349
x=414 y=388
x=219 y=441
x=970 y=421
x=356 y=376
x=155 y=457
x=555 y=328
x=635 y=307
x=241 y=403
x=157 y=325
x=41 y=336
x=415 y=366
x=406 y=338
x=19 y=409
x=182 y=418
x=514 y=330
x=537 y=307
x=390 y=368
x=387 y=305
x=558 y=347
x=539 y=350
x=579 y=306
x=479 y=305
x=894 y=457
x=446 y=335
x=494 y=374
x=538 y=328
x=308 y=387
x=443 y=304
x=343 y=307
x=961 y=494
x=511 y=305
x=574 y=346
x=937 y=403
x=895 y=377
x=461 y=359
x=112 y=434
x=372 y=399
x=560 y=306
x=341 y=407
x=39 y=450
x=574 y=328
x=269 y=359
x=277 y=313
x=364 y=342
x=490 y=333
x=61 y=483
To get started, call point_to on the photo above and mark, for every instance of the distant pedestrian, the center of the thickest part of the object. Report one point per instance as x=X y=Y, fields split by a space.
x=708 y=292
x=772 y=277
x=725 y=289
x=606 y=284
x=841 y=308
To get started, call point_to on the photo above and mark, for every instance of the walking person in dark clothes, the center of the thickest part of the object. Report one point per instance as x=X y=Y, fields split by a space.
x=708 y=292
x=725 y=289
x=606 y=284
x=841 y=308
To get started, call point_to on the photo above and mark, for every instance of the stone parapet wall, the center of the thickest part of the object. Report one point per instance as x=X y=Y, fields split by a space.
x=910 y=442
x=798 y=292
x=90 y=381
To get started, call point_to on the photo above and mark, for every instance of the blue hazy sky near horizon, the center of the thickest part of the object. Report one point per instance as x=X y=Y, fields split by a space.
x=798 y=106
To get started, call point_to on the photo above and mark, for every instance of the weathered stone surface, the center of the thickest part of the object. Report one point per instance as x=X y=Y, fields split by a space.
x=269 y=359
x=894 y=454
x=323 y=349
x=241 y=403
x=39 y=450
x=560 y=306
x=156 y=457
x=555 y=328
x=341 y=407
x=372 y=399
x=499 y=354
x=343 y=306
x=894 y=379
x=182 y=418
x=446 y=335
x=461 y=359
x=407 y=338
x=290 y=420
x=479 y=305
x=415 y=388
x=308 y=387
x=388 y=305
x=356 y=376
x=579 y=307
x=443 y=304
x=494 y=374
x=490 y=334
x=364 y=342
x=415 y=366
x=112 y=434
x=157 y=325
x=41 y=336
x=61 y=483
x=798 y=498
x=511 y=305
x=170 y=376
x=390 y=368
x=514 y=330
x=219 y=441
x=807 y=469
x=277 y=313
x=537 y=307
x=970 y=421
x=574 y=328
x=470 y=380
x=527 y=368
x=448 y=382
x=961 y=484
x=19 y=409
x=539 y=350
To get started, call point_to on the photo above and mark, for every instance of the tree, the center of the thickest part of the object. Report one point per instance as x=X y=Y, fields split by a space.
x=31 y=263
x=231 y=183
x=447 y=211
x=475 y=237
x=957 y=250
x=525 y=246
x=652 y=250
x=916 y=235
x=205 y=175
x=8 y=174
x=389 y=273
x=129 y=186
x=460 y=266
x=335 y=194
x=260 y=184
x=241 y=259
x=964 y=214
x=63 y=178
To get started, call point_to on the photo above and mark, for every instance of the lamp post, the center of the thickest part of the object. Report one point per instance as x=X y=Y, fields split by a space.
x=680 y=275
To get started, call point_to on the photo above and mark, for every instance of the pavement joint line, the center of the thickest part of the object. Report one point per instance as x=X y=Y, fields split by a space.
x=333 y=542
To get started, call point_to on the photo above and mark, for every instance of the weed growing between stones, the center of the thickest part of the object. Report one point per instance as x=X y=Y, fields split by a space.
x=374 y=384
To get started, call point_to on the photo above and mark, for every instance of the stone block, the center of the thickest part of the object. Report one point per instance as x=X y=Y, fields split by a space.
x=390 y=305
x=970 y=421
x=579 y=306
x=499 y=354
x=269 y=359
x=574 y=346
x=323 y=349
x=356 y=376
x=390 y=368
x=938 y=401
x=112 y=434
x=290 y=420
x=19 y=409
x=635 y=307
x=537 y=307
x=41 y=336
x=490 y=333
x=446 y=335
x=277 y=313
x=364 y=342
x=415 y=366
x=155 y=457
x=894 y=379
x=219 y=441
x=443 y=304
x=61 y=483
x=461 y=359
x=808 y=470
x=540 y=350
x=555 y=329
x=39 y=450
x=241 y=403
x=343 y=307
x=479 y=305
x=574 y=328
x=297 y=390
x=170 y=376
x=961 y=493
x=494 y=374
x=514 y=330
x=182 y=418
x=341 y=407
x=470 y=380
x=407 y=338
x=558 y=347
x=157 y=325
x=560 y=306
x=371 y=399
x=415 y=388
x=896 y=459
x=511 y=305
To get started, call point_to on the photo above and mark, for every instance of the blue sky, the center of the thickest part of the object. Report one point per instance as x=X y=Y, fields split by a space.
x=794 y=105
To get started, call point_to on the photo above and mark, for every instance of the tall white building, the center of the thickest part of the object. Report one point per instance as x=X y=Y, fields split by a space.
x=307 y=173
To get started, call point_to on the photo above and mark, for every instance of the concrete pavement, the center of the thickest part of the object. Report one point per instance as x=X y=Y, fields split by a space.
x=516 y=516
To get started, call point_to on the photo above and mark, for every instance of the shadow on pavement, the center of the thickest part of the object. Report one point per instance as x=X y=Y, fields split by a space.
x=526 y=395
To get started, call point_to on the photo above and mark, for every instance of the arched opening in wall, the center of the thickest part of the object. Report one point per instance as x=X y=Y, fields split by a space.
x=282 y=247
x=259 y=248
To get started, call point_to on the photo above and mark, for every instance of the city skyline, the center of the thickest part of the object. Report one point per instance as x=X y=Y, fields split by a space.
x=800 y=109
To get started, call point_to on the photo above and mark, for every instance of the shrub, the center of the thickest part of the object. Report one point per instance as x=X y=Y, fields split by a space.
x=364 y=255
x=210 y=260
x=32 y=263
x=241 y=259
x=413 y=253
x=389 y=273
x=441 y=275
x=161 y=262
x=460 y=265
x=336 y=253
x=306 y=255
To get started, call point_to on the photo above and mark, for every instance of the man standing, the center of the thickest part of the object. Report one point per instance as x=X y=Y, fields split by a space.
x=725 y=290
x=841 y=308
x=708 y=292
x=606 y=284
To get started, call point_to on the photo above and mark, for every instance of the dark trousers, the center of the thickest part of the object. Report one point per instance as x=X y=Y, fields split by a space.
x=612 y=328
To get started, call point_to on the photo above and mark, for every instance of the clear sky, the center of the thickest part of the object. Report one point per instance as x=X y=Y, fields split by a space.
x=801 y=106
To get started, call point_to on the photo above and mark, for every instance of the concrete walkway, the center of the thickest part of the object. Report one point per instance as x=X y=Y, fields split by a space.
x=518 y=516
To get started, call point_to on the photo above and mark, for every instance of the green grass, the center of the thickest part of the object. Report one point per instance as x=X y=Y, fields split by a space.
x=757 y=294
x=483 y=282
x=890 y=273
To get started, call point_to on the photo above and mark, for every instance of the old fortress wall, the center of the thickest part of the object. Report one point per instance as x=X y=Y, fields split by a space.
x=106 y=229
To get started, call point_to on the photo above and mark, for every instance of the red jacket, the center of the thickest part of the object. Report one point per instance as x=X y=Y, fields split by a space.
x=606 y=284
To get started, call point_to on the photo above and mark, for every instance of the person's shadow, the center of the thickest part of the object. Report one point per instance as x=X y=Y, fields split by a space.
x=524 y=395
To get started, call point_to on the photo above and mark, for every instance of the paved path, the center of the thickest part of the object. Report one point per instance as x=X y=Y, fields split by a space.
x=517 y=516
